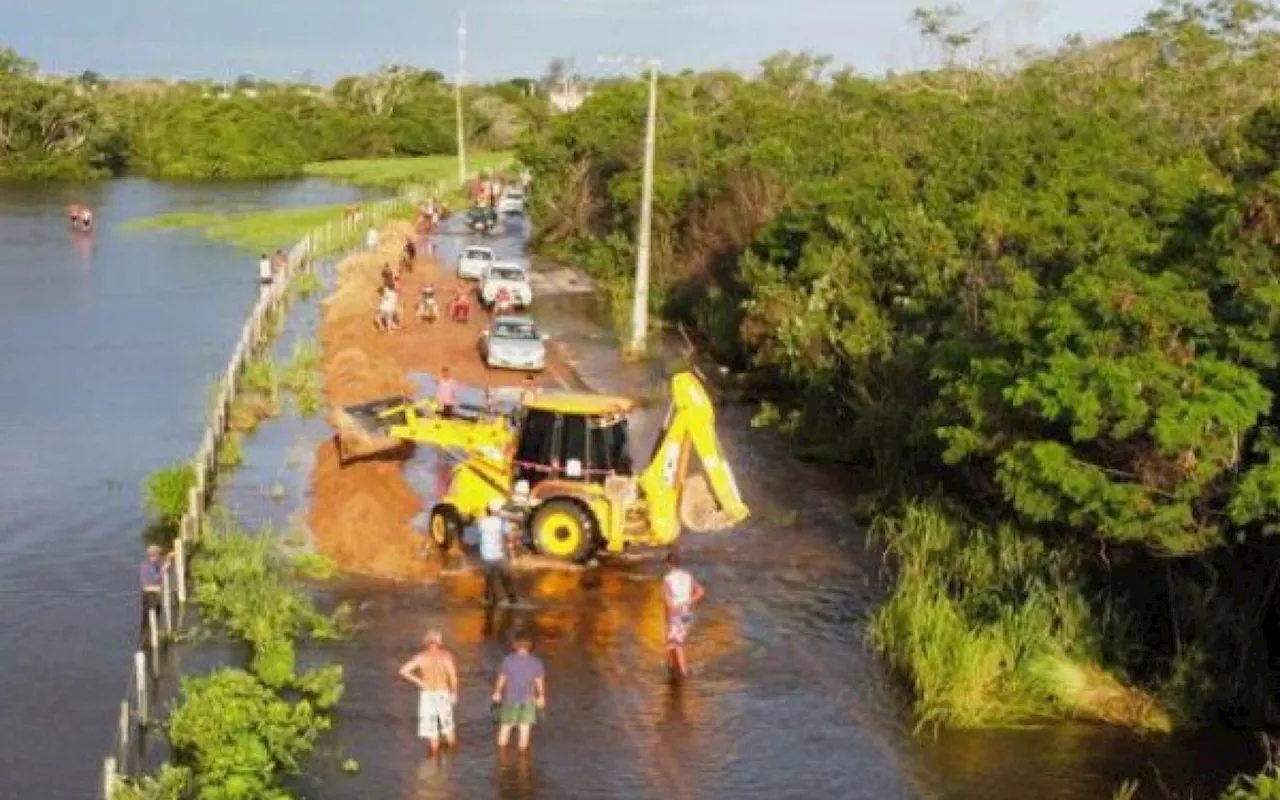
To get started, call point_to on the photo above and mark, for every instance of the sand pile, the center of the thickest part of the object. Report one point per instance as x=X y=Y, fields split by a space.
x=361 y=513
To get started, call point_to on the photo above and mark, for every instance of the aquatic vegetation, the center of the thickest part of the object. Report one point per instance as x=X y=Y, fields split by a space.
x=164 y=493
x=237 y=737
x=231 y=453
x=305 y=284
x=301 y=377
x=236 y=733
x=258 y=395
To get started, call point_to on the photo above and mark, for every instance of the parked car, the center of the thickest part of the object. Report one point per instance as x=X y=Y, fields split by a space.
x=512 y=201
x=514 y=343
x=510 y=276
x=474 y=261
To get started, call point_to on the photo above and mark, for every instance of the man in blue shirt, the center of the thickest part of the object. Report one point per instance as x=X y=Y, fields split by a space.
x=521 y=692
x=495 y=553
x=151 y=581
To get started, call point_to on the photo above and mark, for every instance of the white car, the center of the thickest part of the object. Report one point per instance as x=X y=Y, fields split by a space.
x=474 y=262
x=512 y=201
x=510 y=276
x=514 y=343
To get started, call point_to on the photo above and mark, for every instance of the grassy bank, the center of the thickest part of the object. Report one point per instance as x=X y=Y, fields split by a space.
x=392 y=173
x=254 y=230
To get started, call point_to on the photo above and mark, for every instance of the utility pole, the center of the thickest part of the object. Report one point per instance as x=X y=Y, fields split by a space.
x=457 y=93
x=640 y=312
x=640 y=306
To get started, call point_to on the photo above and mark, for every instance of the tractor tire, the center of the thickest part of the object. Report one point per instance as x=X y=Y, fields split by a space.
x=564 y=530
x=445 y=528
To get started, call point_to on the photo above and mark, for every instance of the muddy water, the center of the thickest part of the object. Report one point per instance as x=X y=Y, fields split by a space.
x=785 y=702
x=107 y=345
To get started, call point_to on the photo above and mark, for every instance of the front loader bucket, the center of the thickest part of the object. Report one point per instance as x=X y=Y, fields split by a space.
x=362 y=429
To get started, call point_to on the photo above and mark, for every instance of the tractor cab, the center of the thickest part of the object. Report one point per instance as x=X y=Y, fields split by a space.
x=573 y=437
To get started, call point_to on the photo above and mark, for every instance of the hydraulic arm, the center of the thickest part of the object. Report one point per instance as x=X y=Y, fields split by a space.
x=690 y=429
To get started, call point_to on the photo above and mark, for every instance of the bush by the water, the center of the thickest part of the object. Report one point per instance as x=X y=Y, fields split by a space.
x=165 y=493
x=1045 y=292
x=236 y=733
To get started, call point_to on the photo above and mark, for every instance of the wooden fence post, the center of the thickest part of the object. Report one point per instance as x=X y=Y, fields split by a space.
x=153 y=629
x=140 y=684
x=180 y=564
x=109 y=778
x=166 y=603
x=122 y=731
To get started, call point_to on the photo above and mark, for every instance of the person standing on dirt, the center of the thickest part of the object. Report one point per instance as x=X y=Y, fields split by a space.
x=371 y=238
x=265 y=272
x=433 y=671
x=151 y=582
x=520 y=693
x=496 y=552
x=680 y=591
x=447 y=393
x=388 y=310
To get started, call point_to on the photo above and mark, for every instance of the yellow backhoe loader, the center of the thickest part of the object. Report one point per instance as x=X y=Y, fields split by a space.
x=562 y=467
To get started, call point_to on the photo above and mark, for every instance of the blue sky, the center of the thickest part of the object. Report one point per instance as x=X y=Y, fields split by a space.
x=327 y=38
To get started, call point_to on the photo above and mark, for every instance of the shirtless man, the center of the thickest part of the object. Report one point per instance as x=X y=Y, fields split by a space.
x=432 y=670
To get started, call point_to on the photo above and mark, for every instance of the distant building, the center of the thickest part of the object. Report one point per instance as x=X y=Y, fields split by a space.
x=568 y=96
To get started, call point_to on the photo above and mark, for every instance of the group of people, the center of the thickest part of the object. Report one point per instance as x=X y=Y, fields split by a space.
x=80 y=217
x=270 y=266
x=520 y=690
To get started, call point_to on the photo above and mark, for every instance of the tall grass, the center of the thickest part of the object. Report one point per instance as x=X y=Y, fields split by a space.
x=301 y=377
x=1263 y=786
x=991 y=627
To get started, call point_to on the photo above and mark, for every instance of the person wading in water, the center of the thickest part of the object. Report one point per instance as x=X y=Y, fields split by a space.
x=495 y=552
x=520 y=693
x=679 y=594
x=433 y=671
x=151 y=582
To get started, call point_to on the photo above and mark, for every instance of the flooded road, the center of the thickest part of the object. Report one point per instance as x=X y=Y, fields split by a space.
x=106 y=353
x=107 y=346
x=785 y=701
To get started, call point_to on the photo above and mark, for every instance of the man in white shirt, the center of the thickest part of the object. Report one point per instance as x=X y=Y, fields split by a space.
x=680 y=591
x=371 y=238
x=264 y=270
x=388 y=307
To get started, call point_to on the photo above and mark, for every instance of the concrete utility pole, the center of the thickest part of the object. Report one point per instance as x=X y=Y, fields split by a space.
x=457 y=93
x=640 y=307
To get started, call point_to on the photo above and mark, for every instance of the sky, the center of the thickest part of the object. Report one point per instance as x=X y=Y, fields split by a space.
x=324 y=39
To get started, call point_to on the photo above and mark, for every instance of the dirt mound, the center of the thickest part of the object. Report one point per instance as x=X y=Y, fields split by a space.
x=361 y=512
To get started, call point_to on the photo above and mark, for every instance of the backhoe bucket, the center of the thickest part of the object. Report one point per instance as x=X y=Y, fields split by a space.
x=699 y=510
x=362 y=429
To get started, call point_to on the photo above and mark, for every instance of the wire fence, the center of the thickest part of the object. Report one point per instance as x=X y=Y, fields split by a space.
x=164 y=621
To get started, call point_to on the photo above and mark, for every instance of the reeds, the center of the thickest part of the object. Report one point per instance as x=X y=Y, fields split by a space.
x=992 y=629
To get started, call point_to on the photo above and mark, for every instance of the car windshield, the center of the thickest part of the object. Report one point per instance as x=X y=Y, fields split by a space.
x=480 y=255
x=515 y=330
x=506 y=274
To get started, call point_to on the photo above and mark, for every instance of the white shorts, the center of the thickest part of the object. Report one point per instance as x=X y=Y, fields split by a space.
x=435 y=715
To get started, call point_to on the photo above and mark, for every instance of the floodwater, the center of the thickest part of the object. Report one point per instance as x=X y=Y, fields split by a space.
x=106 y=357
x=107 y=347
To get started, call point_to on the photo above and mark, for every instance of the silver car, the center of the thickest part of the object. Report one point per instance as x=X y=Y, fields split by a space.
x=514 y=343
